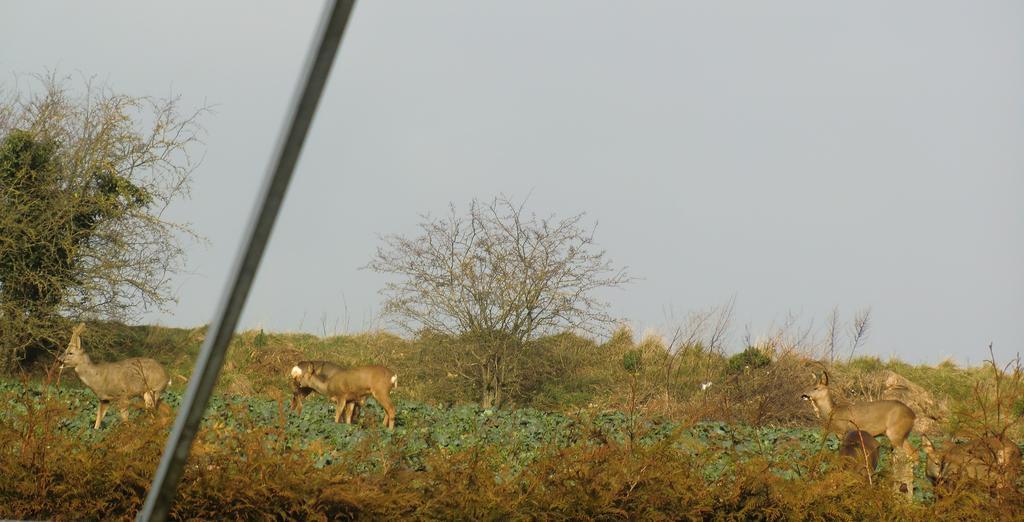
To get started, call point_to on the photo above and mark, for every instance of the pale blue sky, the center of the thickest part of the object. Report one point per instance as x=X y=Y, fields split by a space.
x=797 y=155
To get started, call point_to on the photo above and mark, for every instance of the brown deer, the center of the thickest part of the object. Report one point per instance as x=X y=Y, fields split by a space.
x=121 y=380
x=349 y=387
x=891 y=418
x=312 y=377
x=862 y=448
x=985 y=459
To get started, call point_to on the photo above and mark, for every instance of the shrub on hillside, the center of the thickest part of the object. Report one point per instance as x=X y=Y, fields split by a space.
x=765 y=390
x=752 y=358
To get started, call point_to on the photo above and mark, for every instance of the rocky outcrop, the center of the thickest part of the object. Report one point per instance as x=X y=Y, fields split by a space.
x=930 y=411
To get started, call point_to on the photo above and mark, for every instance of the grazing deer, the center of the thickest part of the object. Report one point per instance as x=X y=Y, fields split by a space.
x=121 y=380
x=987 y=458
x=862 y=448
x=350 y=387
x=312 y=377
x=891 y=418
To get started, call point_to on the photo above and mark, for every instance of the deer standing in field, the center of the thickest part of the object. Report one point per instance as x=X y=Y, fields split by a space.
x=891 y=418
x=312 y=377
x=121 y=380
x=987 y=458
x=348 y=388
x=862 y=448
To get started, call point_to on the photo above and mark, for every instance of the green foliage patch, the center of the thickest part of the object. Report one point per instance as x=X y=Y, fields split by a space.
x=519 y=436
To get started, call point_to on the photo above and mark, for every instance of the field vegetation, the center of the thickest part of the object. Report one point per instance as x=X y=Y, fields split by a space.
x=610 y=430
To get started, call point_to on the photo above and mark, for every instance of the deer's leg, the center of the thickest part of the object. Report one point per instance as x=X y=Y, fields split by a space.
x=389 y=408
x=100 y=412
x=350 y=407
x=357 y=406
x=909 y=449
x=903 y=472
x=153 y=402
x=339 y=405
x=899 y=437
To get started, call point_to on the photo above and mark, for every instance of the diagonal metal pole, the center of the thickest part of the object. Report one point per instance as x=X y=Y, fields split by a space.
x=282 y=164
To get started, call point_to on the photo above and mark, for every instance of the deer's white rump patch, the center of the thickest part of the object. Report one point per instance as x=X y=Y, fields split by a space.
x=296 y=372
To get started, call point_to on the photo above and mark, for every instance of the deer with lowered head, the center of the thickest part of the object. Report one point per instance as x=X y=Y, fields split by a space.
x=891 y=418
x=120 y=380
x=994 y=458
x=312 y=377
x=861 y=451
x=348 y=388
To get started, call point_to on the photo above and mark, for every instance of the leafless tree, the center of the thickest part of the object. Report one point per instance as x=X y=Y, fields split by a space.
x=859 y=330
x=492 y=280
x=86 y=175
x=856 y=332
x=832 y=334
x=702 y=332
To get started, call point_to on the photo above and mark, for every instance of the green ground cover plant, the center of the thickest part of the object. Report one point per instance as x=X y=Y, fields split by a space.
x=253 y=449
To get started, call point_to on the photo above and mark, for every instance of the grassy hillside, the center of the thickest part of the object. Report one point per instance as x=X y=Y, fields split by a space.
x=567 y=373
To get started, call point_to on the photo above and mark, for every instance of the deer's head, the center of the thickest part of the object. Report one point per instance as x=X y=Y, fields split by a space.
x=305 y=374
x=74 y=354
x=933 y=467
x=820 y=389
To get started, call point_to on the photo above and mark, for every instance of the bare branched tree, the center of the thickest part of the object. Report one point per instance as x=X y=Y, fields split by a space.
x=702 y=332
x=832 y=334
x=720 y=328
x=859 y=331
x=493 y=280
x=85 y=177
x=856 y=333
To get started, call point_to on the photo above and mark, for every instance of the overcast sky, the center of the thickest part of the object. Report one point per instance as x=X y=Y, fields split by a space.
x=795 y=155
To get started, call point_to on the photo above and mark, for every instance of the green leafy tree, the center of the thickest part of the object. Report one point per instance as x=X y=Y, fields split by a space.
x=85 y=177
